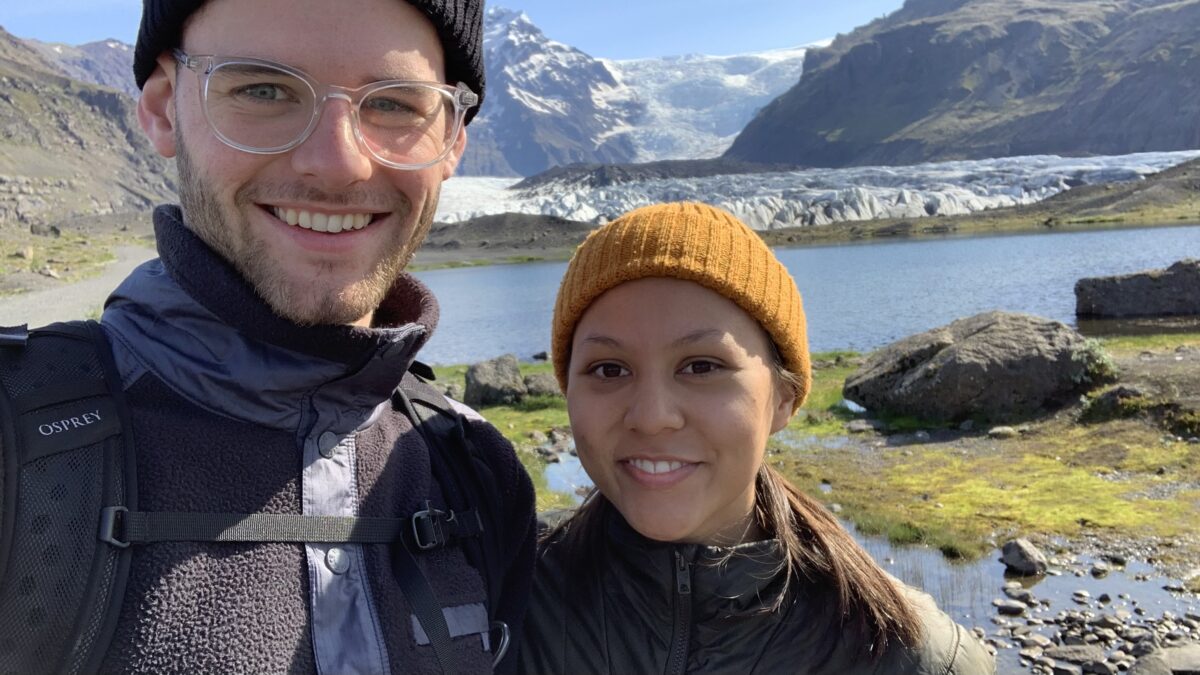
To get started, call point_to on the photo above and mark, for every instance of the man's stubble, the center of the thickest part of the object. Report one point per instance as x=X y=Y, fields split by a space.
x=309 y=303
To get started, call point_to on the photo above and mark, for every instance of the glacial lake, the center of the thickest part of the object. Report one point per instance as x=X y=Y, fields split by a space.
x=856 y=296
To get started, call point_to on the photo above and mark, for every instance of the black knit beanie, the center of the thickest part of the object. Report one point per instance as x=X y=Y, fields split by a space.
x=459 y=25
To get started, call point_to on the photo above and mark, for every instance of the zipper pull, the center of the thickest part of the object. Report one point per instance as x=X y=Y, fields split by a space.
x=683 y=575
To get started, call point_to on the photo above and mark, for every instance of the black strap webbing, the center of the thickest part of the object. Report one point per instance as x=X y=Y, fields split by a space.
x=121 y=527
x=424 y=605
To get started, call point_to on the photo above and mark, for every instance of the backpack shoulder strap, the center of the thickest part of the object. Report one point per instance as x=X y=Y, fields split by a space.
x=64 y=456
x=464 y=473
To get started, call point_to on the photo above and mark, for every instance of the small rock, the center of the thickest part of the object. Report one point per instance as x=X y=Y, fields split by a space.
x=860 y=426
x=1001 y=433
x=541 y=356
x=1019 y=594
x=1009 y=607
x=1020 y=556
x=1100 y=667
x=1076 y=653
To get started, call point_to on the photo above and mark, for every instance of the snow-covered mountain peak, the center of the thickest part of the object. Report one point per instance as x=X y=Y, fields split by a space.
x=551 y=104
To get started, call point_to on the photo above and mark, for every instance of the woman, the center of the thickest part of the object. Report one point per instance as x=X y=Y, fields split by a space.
x=679 y=341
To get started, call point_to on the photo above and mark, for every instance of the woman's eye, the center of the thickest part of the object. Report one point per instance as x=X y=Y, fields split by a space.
x=701 y=367
x=608 y=370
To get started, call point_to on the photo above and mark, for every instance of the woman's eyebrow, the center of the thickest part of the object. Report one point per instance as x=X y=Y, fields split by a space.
x=601 y=340
x=699 y=336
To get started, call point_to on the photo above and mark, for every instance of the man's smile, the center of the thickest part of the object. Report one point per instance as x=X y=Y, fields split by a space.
x=316 y=221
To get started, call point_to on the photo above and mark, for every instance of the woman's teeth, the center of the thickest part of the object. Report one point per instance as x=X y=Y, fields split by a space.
x=322 y=222
x=656 y=467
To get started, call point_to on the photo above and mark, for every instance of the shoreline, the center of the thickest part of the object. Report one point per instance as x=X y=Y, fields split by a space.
x=864 y=233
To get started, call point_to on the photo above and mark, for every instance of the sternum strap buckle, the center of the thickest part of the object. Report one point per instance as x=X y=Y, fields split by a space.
x=433 y=528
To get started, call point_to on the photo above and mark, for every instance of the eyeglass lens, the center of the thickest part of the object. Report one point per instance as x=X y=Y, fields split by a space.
x=264 y=108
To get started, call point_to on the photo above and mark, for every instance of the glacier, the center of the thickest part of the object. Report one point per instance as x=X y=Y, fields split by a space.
x=815 y=196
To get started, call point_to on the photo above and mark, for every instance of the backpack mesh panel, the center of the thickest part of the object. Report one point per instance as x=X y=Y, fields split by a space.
x=55 y=542
x=20 y=377
x=90 y=630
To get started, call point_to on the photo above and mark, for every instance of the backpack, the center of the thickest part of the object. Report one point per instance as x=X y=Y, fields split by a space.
x=68 y=504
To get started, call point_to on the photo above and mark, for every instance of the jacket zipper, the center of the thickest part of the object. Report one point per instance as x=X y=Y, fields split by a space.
x=677 y=663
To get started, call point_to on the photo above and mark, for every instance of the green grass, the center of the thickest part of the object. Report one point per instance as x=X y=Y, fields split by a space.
x=1139 y=343
x=517 y=422
x=1115 y=476
x=71 y=256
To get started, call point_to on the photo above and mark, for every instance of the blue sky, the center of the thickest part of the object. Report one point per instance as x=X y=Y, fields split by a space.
x=616 y=29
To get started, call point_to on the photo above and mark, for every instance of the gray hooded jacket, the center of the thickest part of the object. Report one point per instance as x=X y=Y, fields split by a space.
x=237 y=410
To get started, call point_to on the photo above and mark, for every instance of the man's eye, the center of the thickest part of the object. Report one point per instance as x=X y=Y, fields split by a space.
x=263 y=92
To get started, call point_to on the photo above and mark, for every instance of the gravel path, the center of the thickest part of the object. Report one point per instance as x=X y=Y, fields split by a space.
x=72 y=301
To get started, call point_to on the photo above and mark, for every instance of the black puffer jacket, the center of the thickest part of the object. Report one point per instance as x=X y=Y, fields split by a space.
x=666 y=608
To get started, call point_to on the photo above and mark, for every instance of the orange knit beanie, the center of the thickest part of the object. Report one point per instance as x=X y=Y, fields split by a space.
x=694 y=242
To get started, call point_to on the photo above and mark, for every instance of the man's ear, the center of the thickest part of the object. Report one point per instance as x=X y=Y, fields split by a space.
x=456 y=152
x=156 y=107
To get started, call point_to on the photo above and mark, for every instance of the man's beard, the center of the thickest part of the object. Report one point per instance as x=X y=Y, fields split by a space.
x=308 y=303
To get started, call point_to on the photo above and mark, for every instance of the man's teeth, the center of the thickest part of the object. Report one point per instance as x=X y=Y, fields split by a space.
x=322 y=222
x=655 y=467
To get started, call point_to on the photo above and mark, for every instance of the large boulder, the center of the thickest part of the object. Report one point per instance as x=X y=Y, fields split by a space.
x=998 y=365
x=1171 y=292
x=495 y=382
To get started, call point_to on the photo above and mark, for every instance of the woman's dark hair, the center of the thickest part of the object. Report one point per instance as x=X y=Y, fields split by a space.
x=872 y=609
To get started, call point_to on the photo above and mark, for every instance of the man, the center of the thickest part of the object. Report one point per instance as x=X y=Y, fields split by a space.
x=260 y=353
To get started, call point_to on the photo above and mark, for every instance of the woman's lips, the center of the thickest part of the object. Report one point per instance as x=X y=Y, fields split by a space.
x=658 y=473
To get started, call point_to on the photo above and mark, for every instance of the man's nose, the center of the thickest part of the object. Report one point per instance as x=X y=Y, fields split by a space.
x=333 y=153
x=653 y=407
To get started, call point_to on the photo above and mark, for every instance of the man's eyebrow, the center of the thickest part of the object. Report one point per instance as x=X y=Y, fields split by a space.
x=250 y=68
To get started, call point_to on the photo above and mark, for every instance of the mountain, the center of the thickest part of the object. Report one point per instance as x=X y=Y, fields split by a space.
x=107 y=62
x=69 y=148
x=696 y=105
x=954 y=79
x=549 y=104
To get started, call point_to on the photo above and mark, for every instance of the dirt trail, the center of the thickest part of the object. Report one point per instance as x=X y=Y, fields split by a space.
x=72 y=301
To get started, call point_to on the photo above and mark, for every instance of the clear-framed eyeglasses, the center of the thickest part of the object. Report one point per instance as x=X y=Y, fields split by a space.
x=267 y=108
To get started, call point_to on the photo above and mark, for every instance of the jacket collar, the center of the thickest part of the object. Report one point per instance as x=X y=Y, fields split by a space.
x=726 y=581
x=191 y=319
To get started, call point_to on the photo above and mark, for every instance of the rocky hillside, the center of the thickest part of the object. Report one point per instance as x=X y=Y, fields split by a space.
x=69 y=149
x=954 y=79
x=107 y=62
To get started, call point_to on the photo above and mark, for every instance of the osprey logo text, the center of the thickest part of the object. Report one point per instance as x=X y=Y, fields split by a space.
x=60 y=426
